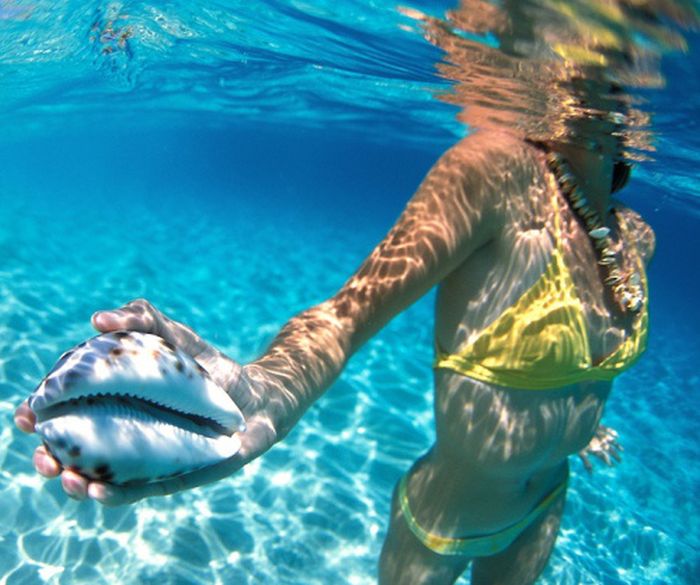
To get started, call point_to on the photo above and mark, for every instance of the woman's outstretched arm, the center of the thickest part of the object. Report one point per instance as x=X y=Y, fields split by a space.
x=458 y=208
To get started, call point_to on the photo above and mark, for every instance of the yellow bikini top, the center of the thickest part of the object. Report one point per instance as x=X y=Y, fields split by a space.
x=541 y=342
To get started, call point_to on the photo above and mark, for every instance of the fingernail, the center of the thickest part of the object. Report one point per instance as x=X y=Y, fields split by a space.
x=45 y=464
x=24 y=423
x=100 y=320
x=73 y=487
x=97 y=491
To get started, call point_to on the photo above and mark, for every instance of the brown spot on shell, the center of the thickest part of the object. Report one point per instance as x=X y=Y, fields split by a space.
x=167 y=344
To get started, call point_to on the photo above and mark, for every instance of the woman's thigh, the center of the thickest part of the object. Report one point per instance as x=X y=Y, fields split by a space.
x=407 y=561
x=523 y=561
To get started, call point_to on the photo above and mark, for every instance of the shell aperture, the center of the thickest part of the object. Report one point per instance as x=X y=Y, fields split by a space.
x=128 y=407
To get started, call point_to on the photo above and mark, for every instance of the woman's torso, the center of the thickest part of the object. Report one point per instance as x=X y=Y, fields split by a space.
x=515 y=440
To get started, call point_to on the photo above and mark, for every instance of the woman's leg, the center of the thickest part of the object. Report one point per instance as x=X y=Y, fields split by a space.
x=523 y=561
x=407 y=561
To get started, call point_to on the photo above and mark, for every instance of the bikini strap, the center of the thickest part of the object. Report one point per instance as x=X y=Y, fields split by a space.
x=557 y=213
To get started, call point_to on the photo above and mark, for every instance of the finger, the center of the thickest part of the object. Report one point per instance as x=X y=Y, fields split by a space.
x=44 y=463
x=75 y=485
x=111 y=495
x=180 y=335
x=586 y=462
x=140 y=315
x=25 y=419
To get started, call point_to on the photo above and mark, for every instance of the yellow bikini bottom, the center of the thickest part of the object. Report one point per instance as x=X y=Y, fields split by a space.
x=474 y=546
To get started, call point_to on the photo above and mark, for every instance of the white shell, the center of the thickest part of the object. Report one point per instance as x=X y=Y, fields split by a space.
x=599 y=233
x=128 y=363
x=120 y=444
x=129 y=407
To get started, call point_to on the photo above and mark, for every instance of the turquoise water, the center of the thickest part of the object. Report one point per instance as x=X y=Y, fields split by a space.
x=236 y=209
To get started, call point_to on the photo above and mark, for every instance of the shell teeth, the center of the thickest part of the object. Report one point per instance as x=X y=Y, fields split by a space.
x=591 y=223
x=158 y=404
x=599 y=233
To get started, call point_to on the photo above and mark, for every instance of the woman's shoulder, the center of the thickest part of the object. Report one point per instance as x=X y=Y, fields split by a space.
x=639 y=232
x=494 y=143
x=500 y=159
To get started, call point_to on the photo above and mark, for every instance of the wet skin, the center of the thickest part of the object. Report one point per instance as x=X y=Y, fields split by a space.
x=479 y=226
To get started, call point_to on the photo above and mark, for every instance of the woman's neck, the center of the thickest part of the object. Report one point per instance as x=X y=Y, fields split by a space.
x=593 y=172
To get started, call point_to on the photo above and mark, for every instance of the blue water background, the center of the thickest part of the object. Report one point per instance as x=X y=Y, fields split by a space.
x=232 y=224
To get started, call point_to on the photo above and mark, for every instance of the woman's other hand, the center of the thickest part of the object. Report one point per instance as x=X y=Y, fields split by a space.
x=605 y=446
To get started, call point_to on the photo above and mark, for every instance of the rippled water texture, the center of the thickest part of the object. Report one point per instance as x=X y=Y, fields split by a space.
x=314 y=509
x=234 y=162
x=282 y=62
x=549 y=70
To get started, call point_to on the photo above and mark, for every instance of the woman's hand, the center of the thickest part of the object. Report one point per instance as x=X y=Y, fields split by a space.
x=605 y=446
x=260 y=400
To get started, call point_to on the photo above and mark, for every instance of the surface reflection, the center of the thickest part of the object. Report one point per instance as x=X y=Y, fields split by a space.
x=550 y=70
